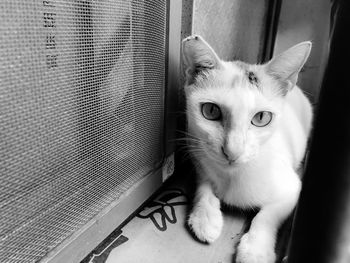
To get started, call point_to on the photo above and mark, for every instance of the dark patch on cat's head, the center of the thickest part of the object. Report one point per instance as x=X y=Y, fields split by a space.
x=253 y=79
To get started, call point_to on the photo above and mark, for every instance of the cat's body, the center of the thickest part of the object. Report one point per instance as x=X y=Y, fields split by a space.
x=248 y=127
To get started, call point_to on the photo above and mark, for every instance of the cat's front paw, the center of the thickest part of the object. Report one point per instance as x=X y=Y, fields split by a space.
x=206 y=223
x=252 y=250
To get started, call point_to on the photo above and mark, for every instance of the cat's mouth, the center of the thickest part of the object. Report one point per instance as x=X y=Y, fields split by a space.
x=229 y=163
x=232 y=163
x=223 y=161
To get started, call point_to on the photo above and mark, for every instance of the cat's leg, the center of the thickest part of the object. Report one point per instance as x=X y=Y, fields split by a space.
x=206 y=219
x=258 y=244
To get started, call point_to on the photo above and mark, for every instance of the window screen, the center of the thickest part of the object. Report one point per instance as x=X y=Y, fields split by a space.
x=81 y=111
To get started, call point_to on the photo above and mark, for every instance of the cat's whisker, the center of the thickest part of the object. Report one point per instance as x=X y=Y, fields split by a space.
x=191 y=145
x=186 y=139
x=192 y=136
x=187 y=133
x=193 y=150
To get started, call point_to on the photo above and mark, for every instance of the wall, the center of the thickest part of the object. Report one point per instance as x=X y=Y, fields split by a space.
x=234 y=28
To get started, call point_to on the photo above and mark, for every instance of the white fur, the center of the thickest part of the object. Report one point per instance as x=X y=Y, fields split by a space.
x=264 y=173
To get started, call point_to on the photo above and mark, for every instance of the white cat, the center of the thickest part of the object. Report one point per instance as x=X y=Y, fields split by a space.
x=248 y=128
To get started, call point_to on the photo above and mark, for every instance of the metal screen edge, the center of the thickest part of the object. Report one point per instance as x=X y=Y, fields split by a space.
x=173 y=74
x=76 y=247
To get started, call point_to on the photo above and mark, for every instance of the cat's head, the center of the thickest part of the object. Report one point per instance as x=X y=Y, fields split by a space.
x=233 y=108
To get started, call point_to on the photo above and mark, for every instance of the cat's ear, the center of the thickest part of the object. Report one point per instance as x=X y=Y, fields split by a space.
x=197 y=56
x=286 y=66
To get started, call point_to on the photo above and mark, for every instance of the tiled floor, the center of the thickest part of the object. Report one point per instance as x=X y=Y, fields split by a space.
x=158 y=233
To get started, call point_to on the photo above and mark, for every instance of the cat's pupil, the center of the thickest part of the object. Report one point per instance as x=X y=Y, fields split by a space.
x=261 y=116
x=212 y=109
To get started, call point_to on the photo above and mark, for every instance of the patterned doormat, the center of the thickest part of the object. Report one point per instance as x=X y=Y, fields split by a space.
x=158 y=234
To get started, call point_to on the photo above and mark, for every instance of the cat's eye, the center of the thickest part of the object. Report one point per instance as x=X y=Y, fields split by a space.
x=211 y=111
x=262 y=118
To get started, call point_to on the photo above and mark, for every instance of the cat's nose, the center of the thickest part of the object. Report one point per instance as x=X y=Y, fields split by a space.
x=229 y=156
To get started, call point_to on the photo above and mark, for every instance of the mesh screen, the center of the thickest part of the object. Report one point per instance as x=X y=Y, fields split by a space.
x=81 y=108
